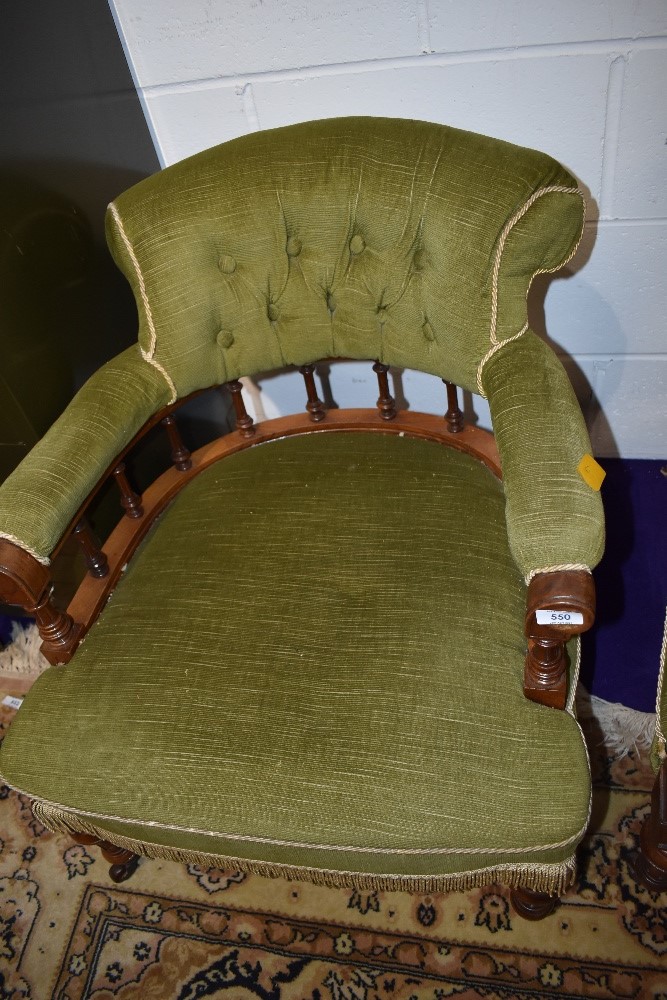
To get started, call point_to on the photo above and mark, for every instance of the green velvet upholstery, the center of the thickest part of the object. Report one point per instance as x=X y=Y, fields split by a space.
x=353 y=237
x=553 y=517
x=402 y=241
x=40 y=498
x=316 y=660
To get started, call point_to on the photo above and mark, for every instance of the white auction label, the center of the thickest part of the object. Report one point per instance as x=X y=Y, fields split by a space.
x=548 y=617
x=12 y=702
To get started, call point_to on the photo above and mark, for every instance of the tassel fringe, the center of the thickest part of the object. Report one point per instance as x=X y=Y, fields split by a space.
x=23 y=655
x=622 y=729
x=553 y=879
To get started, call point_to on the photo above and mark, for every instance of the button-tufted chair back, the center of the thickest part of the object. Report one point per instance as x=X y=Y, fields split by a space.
x=405 y=241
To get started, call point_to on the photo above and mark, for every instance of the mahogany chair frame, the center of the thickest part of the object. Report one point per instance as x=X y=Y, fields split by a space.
x=649 y=865
x=26 y=582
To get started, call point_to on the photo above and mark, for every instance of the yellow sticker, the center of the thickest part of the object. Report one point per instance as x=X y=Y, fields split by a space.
x=591 y=473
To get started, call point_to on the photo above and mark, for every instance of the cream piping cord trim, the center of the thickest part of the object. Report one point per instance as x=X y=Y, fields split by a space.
x=247 y=838
x=497 y=344
x=518 y=215
x=491 y=352
x=150 y=354
x=44 y=560
x=564 y=567
x=552 y=878
x=659 y=735
x=574 y=682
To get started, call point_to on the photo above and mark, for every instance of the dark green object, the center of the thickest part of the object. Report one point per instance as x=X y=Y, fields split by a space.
x=45 y=263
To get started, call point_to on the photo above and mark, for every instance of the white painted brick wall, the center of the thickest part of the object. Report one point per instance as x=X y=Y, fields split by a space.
x=584 y=80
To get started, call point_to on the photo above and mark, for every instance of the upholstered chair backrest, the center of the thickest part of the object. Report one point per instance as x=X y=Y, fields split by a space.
x=404 y=241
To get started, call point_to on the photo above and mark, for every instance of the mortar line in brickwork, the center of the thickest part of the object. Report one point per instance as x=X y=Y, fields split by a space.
x=607 y=223
x=424 y=26
x=609 y=356
x=139 y=90
x=612 y=124
x=616 y=46
x=247 y=96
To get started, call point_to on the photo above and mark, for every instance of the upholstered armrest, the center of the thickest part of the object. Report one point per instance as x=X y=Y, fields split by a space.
x=41 y=496
x=554 y=517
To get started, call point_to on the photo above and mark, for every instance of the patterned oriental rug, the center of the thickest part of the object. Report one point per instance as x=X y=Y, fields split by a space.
x=186 y=932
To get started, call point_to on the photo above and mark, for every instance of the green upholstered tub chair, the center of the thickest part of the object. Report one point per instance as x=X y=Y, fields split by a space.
x=650 y=865
x=312 y=647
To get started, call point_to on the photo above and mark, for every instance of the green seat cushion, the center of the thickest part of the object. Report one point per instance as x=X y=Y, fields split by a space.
x=315 y=660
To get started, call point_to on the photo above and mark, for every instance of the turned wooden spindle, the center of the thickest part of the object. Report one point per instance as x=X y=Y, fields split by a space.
x=244 y=422
x=58 y=631
x=385 y=404
x=96 y=561
x=129 y=500
x=180 y=455
x=453 y=416
x=315 y=406
x=545 y=676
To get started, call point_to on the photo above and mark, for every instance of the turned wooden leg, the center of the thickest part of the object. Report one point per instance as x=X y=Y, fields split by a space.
x=649 y=866
x=123 y=863
x=532 y=905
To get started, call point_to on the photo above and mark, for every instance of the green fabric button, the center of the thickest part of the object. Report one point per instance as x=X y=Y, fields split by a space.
x=419 y=260
x=382 y=315
x=427 y=330
x=331 y=301
x=357 y=244
x=273 y=312
x=225 y=338
x=227 y=264
x=293 y=246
